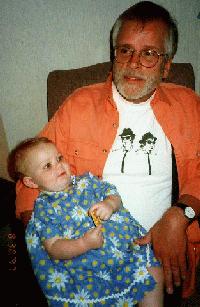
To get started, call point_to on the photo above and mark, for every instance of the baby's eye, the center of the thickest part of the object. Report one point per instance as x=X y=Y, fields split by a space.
x=47 y=166
x=59 y=158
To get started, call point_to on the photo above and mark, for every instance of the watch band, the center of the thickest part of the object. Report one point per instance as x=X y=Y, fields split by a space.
x=180 y=205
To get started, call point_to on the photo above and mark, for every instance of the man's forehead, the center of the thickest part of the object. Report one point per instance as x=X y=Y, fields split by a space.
x=155 y=27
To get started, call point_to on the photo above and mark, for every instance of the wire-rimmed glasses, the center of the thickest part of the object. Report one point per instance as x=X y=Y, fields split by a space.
x=147 y=57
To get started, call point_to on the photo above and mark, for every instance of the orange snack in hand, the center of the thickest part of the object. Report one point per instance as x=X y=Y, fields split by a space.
x=96 y=219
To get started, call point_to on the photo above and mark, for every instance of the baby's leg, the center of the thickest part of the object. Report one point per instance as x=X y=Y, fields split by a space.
x=154 y=298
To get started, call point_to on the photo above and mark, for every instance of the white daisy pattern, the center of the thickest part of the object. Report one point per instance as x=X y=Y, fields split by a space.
x=81 y=298
x=38 y=225
x=32 y=241
x=68 y=234
x=104 y=275
x=141 y=274
x=124 y=303
x=56 y=207
x=78 y=213
x=57 y=280
x=116 y=218
x=117 y=253
x=82 y=184
x=114 y=241
x=140 y=259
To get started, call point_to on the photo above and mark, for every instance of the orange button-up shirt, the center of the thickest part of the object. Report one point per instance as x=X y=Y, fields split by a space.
x=85 y=126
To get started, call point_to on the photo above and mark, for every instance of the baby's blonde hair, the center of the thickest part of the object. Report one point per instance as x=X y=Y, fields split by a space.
x=17 y=158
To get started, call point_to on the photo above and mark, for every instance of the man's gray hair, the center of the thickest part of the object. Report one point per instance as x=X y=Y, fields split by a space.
x=144 y=12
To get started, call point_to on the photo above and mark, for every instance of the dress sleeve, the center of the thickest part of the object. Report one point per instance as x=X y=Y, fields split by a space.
x=46 y=221
x=102 y=189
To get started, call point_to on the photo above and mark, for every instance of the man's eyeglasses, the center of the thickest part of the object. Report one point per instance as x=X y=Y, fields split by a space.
x=147 y=57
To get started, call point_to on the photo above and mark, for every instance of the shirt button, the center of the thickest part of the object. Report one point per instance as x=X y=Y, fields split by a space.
x=114 y=125
x=198 y=153
x=76 y=152
x=104 y=150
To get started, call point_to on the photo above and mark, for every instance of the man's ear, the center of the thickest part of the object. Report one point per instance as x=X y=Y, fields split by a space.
x=28 y=181
x=167 y=68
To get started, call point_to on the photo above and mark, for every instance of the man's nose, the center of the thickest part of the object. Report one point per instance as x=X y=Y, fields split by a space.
x=134 y=60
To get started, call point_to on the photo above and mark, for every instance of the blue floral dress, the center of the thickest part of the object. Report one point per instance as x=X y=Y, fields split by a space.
x=114 y=275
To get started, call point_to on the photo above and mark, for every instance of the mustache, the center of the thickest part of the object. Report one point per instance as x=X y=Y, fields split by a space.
x=130 y=74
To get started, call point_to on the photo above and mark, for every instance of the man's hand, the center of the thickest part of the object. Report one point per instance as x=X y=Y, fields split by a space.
x=168 y=237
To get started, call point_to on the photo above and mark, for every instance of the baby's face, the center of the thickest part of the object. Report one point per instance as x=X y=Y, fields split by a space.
x=47 y=168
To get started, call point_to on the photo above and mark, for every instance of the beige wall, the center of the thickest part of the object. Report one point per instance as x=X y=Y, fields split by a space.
x=38 y=36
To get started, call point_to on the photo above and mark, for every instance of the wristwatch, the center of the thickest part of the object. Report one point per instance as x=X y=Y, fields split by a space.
x=188 y=211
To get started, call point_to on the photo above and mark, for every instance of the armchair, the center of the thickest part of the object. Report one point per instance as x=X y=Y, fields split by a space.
x=20 y=285
x=61 y=83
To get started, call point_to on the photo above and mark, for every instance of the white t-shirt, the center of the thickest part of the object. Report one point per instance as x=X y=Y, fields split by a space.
x=140 y=162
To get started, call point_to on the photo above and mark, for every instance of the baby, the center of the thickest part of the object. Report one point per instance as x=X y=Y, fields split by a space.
x=80 y=261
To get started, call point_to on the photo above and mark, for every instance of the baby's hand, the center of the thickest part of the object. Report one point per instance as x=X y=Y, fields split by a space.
x=102 y=210
x=93 y=238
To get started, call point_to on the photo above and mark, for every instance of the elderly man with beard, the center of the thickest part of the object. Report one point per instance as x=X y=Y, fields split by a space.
x=88 y=125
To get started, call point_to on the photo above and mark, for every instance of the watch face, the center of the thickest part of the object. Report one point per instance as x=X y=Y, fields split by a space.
x=189 y=212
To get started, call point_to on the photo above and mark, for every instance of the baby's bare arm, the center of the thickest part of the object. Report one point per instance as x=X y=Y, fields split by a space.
x=60 y=248
x=113 y=201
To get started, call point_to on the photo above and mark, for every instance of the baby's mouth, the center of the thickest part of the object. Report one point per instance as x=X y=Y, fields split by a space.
x=62 y=174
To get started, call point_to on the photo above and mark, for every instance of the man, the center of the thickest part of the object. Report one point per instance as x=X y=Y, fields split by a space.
x=87 y=129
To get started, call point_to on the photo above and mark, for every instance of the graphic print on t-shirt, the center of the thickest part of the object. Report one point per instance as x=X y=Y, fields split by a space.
x=146 y=146
x=127 y=138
